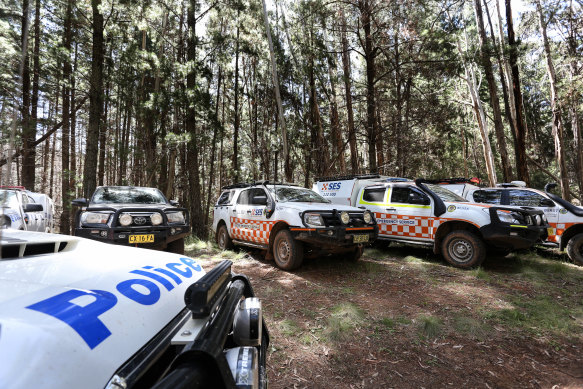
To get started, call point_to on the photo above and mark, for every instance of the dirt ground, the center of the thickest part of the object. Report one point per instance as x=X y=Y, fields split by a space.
x=400 y=318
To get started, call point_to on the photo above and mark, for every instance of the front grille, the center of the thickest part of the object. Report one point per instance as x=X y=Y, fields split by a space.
x=333 y=219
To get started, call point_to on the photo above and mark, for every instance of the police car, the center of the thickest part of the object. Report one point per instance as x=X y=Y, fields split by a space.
x=76 y=313
x=132 y=215
x=20 y=211
x=420 y=213
x=290 y=222
x=565 y=219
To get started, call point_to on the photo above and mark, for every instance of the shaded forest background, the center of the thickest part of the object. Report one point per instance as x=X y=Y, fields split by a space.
x=189 y=95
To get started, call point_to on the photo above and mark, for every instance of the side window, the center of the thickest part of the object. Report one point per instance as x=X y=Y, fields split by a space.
x=24 y=200
x=374 y=195
x=488 y=196
x=405 y=195
x=525 y=198
x=225 y=197
x=243 y=197
x=257 y=196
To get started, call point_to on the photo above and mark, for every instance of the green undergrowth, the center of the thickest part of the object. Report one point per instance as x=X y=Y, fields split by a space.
x=343 y=319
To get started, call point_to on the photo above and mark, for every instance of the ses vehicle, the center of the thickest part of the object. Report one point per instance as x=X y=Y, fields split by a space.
x=290 y=222
x=565 y=219
x=426 y=214
x=21 y=209
x=131 y=215
x=76 y=313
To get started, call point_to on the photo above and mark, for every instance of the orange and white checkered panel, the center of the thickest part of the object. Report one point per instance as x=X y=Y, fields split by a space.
x=249 y=230
x=559 y=229
x=406 y=226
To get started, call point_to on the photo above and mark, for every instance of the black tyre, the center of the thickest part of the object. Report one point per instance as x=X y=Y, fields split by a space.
x=223 y=239
x=176 y=246
x=463 y=249
x=287 y=252
x=575 y=249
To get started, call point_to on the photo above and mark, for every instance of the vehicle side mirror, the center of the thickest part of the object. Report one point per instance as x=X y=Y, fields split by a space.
x=259 y=200
x=415 y=198
x=33 y=208
x=174 y=203
x=81 y=202
x=547 y=203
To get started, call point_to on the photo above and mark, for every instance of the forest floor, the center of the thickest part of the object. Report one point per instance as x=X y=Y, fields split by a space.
x=399 y=317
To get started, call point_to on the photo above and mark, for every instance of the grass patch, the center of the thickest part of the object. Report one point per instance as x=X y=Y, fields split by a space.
x=289 y=327
x=413 y=259
x=470 y=327
x=430 y=326
x=481 y=274
x=344 y=318
x=376 y=254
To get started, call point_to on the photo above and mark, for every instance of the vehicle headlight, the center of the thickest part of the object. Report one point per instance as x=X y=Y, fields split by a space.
x=156 y=219
x=125 y=219
x=95 y=217
x=544 y=219
x=344 y=217
x=175 y=217
x=313 y=219
x=367 y=217
x=507 y=217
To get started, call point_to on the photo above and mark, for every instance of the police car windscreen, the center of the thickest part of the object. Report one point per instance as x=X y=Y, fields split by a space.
x=287 y=194
x=445 y=194
x=119 y=195
x=8 y=199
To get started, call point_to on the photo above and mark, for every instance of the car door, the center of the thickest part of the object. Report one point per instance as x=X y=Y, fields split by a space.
x=529 y=198
x=375 y=200
x=410 y=212
x=248 y=222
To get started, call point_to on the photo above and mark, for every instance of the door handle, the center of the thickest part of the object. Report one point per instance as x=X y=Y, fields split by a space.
x=391 y=209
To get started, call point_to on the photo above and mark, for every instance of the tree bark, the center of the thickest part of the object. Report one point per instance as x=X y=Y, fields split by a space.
x=348 y=94
x=28 y=131
x=236 y=124
x=95 y=102
x=65 y=226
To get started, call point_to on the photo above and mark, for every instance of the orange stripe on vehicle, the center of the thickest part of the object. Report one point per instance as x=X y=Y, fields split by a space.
x=359 y=228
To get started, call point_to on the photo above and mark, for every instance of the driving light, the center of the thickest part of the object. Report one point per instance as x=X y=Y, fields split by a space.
x=244 y=367
x=125 y=219
x=156 y=219
x=95 y=217
x=175 y=217
x=313 y=219
x=344 y=217
x=202 y=296
x=247 y=322
x=367 y=217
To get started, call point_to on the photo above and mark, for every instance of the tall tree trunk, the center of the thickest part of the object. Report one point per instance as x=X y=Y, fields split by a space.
x=494 y=102
x=574 y=98
x=281 y=121
x=348 y=94
x=520 y=127
x=557 y=126
x=236 y=125
x=73 y=167
x=28 y=131
x=35 y=80
x=65 y=226
x=95 y=102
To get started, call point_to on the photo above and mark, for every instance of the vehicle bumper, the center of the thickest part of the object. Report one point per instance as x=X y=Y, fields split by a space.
x=121 y=236
x=331 y=237
x=513 y=237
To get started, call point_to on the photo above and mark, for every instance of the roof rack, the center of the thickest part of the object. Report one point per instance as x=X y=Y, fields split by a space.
x=238 y=185
x=348 y=177
x=262 y=182
x=456 y=180
x=513 y=184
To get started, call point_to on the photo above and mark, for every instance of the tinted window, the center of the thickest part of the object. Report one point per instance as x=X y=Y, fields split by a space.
x=243 y=197
x=257 y=196
x=525 y=198
x=488 y=196
x=225 y=197
x=405 y=194
x=374 y=195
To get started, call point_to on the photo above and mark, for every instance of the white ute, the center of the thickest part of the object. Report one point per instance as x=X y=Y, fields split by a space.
x=76 y=313
x=21 y=209
x=419 y=213
x=289 y=222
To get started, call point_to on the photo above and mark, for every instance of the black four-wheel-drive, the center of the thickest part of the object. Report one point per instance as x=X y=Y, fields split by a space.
x=134 y=216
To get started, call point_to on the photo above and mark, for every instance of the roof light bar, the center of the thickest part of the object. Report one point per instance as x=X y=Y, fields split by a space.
x=202 y=296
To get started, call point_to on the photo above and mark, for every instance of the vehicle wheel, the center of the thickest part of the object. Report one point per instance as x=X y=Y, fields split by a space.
x=287 y=252
x=223 y=239
x=176 y=246
x=575 y=249
x=353 y=254
x=463 y=249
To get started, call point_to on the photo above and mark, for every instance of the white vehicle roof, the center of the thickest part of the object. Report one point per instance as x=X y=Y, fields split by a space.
x=73 y=310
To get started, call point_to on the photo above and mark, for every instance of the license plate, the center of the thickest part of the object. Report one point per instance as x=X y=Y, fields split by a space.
x=550 y=231
x=149 y=238
x=360 y=238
